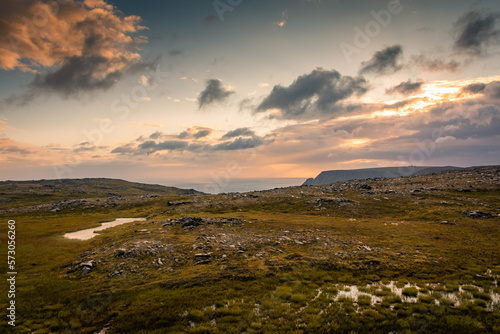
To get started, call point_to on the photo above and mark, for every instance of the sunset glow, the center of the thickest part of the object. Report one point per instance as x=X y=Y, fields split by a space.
x=119 y=90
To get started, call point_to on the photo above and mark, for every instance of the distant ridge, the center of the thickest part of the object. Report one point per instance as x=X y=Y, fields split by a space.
x=332 y=176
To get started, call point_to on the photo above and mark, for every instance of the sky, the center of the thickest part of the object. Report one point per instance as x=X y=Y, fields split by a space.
x=228 y=89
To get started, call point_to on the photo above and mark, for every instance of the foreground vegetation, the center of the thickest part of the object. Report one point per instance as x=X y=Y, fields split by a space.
x=407 y=255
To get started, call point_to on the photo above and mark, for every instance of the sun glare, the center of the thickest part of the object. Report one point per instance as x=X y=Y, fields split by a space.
x=433 y=93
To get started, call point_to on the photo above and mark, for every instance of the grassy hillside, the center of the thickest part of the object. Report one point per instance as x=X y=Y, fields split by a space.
x=15 y=194
x=407 y=255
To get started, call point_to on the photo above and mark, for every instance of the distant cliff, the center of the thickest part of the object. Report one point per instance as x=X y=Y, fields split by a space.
x=332 y=176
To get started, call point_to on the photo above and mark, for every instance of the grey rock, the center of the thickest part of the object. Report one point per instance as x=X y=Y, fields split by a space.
x=445 y=222
x=477 y=214
x=121 y=252
x=90 y=264
x=203 y=255
x=86 y=270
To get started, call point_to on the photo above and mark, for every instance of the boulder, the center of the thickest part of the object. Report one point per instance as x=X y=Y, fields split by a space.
x=477 y=214
x=121 y=252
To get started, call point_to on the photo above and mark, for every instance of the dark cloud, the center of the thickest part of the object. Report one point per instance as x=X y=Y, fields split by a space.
x=245 y=132
x=240 y=143
x=406 y=88
x=85 y=149
x=183 y=135
x=246 y=140
x=196 y=132
x=147 y=145
x=156 y=135
x=87 y=46
x=202 y=134
x=15 y=150
x=124 y=149
x=384 y=62
x=75 y=78
x=492 y=90
x=318 y=91
x=247 y=103
x=400 y=104
x=214 y=92
x=78 y=74
x=474 y=88
x=199 y=148
x=150 y=146
x=469 y=130
x=476 y=31
x=480 y=121
x=435 y=64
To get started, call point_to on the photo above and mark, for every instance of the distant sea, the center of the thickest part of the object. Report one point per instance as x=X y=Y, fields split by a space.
x=231 y=185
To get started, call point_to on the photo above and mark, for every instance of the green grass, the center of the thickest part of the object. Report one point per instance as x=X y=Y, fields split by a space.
x=276 y=291
x=410 y=292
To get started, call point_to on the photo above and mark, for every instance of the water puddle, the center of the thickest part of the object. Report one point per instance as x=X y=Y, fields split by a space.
x=90 y=232
x=456 y=298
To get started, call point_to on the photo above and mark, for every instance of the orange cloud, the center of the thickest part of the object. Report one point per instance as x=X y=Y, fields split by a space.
x=92 y=37
x=15 y=153
x=139 y=125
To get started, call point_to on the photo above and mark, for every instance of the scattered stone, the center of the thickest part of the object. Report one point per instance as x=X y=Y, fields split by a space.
x=366 y=248
x=142 y=231
x=177 y=203
x=71 y=270
x=116 y=273
x=445 y=222
x=86 y=270
x=203 y=255
x=121 y=252
x=477 y=214
x=89 y=264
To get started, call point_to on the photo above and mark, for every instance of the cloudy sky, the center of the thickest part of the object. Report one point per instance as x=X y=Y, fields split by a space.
x=247 y=89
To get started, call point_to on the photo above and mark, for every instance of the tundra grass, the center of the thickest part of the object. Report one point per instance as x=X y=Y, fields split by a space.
x=413 y=273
